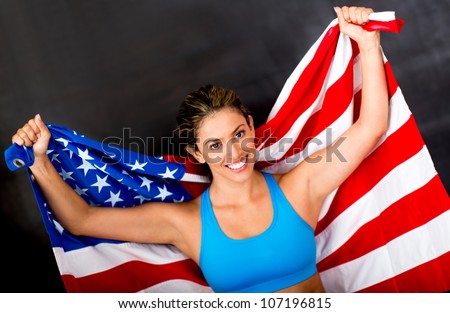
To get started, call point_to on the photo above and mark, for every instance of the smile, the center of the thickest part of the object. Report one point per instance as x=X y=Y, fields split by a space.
x=239 y=165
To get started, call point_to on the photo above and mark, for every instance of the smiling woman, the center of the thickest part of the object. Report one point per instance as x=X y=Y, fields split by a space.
x=196 y=112
x=269 y=218
x=249 y=231
x=245 y=210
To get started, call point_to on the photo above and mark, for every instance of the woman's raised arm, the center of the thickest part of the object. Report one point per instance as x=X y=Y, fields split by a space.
x=320 y=176
x=151 y=223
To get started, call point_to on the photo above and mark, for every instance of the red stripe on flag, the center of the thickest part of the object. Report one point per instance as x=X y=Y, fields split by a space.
x=436 y=274
x=393 y=26
x=305 y=90
x=356 y=105
x=400 y=146
x=193 y=188
x=336 y=101
x=390 y=79
x=413 y=210
x=134 y=276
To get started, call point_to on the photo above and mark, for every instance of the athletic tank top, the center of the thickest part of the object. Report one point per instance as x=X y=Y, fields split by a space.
x=279 y=257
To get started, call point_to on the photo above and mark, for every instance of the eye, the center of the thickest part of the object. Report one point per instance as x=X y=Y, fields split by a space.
x=240 y=134
x=214 y=146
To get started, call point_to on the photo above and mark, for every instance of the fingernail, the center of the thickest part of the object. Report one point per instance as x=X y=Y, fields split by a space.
x=335 y=9
x=39 y=116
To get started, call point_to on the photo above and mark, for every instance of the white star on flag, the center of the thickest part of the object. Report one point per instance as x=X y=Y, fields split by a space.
x=137 y=166
x=163 y=193
x=101 y=182
x=103 y=168
x=70 y=152
x=178 y=201
x=145 y=182
x=126 y=173
x=84 y=154
x=114 y=198
x=80 y=191
x=86 y=166
x=111 y=155
x=58 y=226
x=141 y=198
x=66 y=175
x=65 y=142
x=55 y=158
x=168 y=173
x=76 y=134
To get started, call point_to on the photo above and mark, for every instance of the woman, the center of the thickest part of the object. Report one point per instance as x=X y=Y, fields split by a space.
x=249 y=231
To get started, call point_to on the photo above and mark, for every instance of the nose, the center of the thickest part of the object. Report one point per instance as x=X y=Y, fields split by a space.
x=234 y=151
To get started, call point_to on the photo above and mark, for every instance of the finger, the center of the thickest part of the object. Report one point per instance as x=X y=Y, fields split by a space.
x=366 y=14
x=35 y=128
x=352 y=13
x=340 y=15
x=358 y=15
x=346 y=14
x=42 y=127
x=24 y=136
x=16 y=139
x=30 y=132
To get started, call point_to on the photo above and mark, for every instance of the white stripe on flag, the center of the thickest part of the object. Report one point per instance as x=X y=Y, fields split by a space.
x=399 y=114
x=195 y=178
x=337 y=68
x=178 y=285
x=385 y=16
x=91 y=260
x=293 y=78
x=419 y=169
x=405 y=252
x=326 y=137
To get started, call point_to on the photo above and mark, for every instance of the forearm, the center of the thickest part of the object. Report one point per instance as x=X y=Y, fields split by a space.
x=68 y=207
x=374 y=99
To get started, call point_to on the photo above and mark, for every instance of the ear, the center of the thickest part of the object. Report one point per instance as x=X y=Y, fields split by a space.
x=196 y=154
x=251 y=123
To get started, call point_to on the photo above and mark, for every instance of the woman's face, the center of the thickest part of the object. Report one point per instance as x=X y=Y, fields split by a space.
x=226 y=144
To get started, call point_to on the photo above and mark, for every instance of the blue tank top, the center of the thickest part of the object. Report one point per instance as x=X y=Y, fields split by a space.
x=281 y=256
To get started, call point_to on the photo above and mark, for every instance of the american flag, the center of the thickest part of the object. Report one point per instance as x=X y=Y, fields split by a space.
x=385 y=229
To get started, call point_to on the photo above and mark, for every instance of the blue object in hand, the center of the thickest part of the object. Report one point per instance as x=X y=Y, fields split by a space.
x=17 y=157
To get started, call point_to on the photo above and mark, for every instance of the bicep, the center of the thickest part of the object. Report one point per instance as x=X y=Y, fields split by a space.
x=337 y=161
x=148 y=223
x=326 y=169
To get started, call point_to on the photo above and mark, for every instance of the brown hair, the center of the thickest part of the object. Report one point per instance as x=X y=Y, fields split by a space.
x=202 y=103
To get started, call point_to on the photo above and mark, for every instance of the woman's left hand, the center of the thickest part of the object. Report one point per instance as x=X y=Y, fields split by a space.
x=350 y=21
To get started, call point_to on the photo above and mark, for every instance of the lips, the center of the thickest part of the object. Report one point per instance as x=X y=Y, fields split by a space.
x=237 y=165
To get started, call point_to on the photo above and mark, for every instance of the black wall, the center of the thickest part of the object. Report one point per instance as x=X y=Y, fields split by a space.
x=100 y=66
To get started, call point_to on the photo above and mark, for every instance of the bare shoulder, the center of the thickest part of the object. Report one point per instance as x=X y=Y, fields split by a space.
x=296 y=189
x=187 y=221
x=188 y=209
x=292 y=182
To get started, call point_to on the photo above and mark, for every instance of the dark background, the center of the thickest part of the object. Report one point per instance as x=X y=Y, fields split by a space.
x=100 y=66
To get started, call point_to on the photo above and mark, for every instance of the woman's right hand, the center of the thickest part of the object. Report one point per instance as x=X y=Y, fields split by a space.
x=34 y=134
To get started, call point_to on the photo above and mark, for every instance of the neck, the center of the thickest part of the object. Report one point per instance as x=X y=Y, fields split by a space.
x=226 y=192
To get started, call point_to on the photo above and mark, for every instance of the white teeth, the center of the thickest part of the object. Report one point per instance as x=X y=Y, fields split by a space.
x=236 y=166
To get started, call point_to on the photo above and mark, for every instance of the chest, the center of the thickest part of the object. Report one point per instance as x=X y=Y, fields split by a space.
x=246 y=221
x=280 y=254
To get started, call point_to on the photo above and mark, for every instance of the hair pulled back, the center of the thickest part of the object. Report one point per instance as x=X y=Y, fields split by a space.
x=199 y=104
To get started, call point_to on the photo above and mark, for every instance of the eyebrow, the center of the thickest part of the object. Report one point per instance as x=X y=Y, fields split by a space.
x=217 y=139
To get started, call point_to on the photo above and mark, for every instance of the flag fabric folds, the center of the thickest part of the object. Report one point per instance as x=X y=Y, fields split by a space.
x=385 y=229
